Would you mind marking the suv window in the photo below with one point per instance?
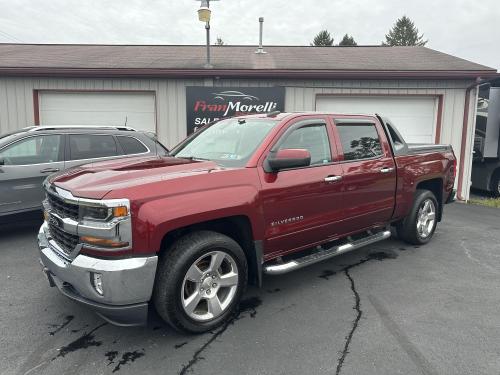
(88, 146)
(33, 150)
(313, 138)
(359, 141)
(130, 145)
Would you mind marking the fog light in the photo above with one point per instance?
(96, 279)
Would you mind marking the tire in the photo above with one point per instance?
(495, 184)
(410, 229)
(198, 301)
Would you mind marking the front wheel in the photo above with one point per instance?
(200, 281)
(419, 226)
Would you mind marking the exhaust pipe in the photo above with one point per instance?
(261, 31)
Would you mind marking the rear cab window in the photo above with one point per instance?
(359, 140)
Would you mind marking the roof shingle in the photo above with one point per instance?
(183, 57)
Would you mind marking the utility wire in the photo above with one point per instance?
(9, 36)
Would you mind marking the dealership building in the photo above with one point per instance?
(430, 96)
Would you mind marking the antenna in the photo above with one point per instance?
(126, 118)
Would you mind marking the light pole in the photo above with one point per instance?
(204, 14)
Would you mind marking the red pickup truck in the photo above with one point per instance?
(239, 198)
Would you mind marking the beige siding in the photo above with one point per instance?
(17, 111)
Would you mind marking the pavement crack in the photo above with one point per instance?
(59, 327)
(359, 313)
(380, 256)
(248, 305)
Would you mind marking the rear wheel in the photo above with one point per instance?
(419, 226)
(200, 281)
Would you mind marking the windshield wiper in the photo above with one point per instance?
(191, 158)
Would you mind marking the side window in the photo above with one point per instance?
(313, 138)
(88, 146)
(33, 150)
(130, 145)
(359, 141)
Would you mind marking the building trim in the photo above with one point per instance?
(246, 73)
(439, 118)
(36, 108)
(463, 145)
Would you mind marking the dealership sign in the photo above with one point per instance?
(207, 104)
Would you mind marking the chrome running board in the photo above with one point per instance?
(280, 268)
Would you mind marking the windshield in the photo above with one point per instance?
(229, 143)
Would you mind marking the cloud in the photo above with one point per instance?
(463, 28)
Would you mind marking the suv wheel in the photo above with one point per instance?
(419, 226)
(200, 281)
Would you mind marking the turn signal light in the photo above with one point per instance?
(103, 242)
(120, 211)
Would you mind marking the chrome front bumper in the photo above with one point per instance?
(127, 283)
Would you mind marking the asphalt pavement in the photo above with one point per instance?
(389, 308)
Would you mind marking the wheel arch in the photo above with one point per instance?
(434, 185)
(238, 227)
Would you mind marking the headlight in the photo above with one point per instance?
(102, 213)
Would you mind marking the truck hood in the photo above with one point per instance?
(98, 179)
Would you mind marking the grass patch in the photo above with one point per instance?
(490, 202)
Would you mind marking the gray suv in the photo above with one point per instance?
(28, 156)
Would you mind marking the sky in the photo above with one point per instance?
(464, 28)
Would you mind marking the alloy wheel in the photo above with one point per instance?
(209, 286)
(426, 218)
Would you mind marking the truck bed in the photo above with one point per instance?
(420, 148)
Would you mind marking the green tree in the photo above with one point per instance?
(219, 41)
(322, 39)
(348, 40)
(404, 33)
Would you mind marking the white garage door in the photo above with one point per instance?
(135, 109)
(414, 116)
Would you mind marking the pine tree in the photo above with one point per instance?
(404, 33)
(219, 41)
(322, 39)
(348, 40)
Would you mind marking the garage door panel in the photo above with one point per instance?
(140, 121)
(137, 109)
(414, 116)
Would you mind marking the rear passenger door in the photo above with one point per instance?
(369, 173)
(86, 148)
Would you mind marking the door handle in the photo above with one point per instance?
(386, 170)
(49, 170)
(333, 178)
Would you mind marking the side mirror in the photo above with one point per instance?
(287, 158)
(2, 161)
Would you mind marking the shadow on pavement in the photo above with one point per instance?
(20, 224)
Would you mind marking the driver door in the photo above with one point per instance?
(302, 206)
(26, 163)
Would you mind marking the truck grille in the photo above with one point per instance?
(63, 208)
(66, 241)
